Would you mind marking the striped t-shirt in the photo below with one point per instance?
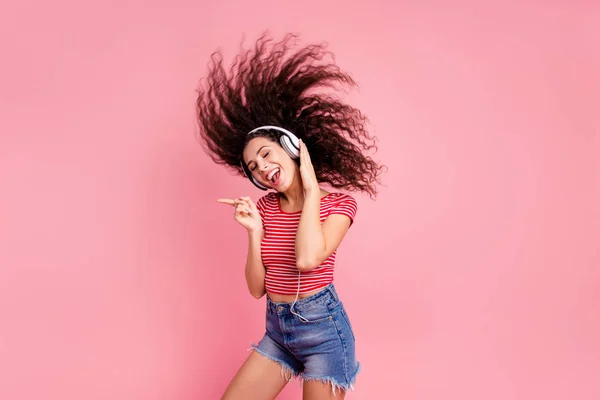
(278, 247)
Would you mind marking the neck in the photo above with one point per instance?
(295, 194)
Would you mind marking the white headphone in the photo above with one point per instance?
(287, 140)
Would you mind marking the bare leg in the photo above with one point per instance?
(259, 378)
(315, 390)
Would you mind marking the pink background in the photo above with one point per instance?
(475, 275)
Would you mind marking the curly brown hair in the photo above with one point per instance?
(274, 85)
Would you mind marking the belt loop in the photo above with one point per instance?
(333, 293)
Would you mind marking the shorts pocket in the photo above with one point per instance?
(315, 315)
(347, 319)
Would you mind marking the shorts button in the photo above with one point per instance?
(280, 308)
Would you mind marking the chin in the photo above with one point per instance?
(282, 188)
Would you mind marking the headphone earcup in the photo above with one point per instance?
(290, 144)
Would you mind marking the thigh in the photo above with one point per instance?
(327, 349)
(316, 390)
(259, 378)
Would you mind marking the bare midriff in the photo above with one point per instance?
(289, 298)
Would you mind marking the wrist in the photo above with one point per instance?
(312, 200)
(312, 194)
(255, 233)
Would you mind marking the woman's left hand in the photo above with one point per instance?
(307, 172)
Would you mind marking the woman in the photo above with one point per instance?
(261, 119)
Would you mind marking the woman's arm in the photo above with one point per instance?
(255, 270)
(315, 242)
(247, 214)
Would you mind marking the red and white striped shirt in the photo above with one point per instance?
(278, 247)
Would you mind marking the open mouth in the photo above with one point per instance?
(274, 176)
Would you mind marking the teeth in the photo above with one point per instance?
(270, 176)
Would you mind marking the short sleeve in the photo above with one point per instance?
(345, 205)
(260, 205)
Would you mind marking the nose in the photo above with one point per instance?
(263, 165)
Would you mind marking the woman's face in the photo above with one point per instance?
(269, 163)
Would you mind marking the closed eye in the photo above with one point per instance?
(252, 164)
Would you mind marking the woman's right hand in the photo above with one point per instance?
(245, 213)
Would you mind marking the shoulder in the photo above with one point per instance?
(267, 201)
(336, 198)
(341, 203)
(270, 197)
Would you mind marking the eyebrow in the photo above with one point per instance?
(252, 161)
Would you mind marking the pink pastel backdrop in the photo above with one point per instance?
(475, 275)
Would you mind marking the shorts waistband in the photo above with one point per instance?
(327, 295)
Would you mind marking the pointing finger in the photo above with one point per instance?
(226, 201)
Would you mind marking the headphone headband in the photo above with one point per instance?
(275, 128)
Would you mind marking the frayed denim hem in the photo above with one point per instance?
(287, 372)
(345, 387)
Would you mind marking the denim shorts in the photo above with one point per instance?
(321, 349)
